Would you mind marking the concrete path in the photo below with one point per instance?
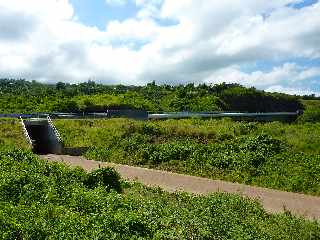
(274, 201)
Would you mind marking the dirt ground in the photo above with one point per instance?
(274, 201)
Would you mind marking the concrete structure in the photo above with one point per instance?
(42, 135)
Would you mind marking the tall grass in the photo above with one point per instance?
(275, 155)
(312, 111)
(11, 134)
(50, 201)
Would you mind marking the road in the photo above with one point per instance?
(273, 201)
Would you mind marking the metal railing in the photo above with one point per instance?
(55, 130)
(168, 115)
(152, 115)
(25, 131)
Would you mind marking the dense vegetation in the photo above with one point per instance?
(11, 134)
(50, 201)
(19, 96)
(275, 155)
(39, 200)
(312, 111)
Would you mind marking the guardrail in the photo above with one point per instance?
(55, 130)
(178, 115)
(160, 115)
(25, 131)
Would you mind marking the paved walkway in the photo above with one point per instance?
(274, 201)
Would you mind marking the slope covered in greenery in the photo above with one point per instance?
(274, 155)
(39, 200)
(11, 134)
(50, 201)
(19, 96)
(312, 111)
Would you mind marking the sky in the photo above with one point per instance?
(272, 45)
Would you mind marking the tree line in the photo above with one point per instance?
(21, 96)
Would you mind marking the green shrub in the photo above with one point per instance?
(220, 149)
(52, 201)
(11, 135)
(106, 177)
(263, 144)
(311, 113)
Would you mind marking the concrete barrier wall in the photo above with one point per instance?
(43, 136)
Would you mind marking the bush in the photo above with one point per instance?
(52, 201)
(106, 177)
(220, 149)
(311, 113)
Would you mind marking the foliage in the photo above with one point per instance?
(106, 177)
(39, 200)
(50, 201)
(238, 98)
(11, 134)
(263, 154)
(312, 111)
(20, 96)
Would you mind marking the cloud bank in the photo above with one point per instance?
(169, 41)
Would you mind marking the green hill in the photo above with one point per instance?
(39, 200)
(20, 96)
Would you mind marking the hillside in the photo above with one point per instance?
(41, 200)
(275, 155)
(20, 96)
(11, 134)
(50, 201)
(312, 111)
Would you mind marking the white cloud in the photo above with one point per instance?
(116, 2)
(287, 78)
(49, 9)
(292, 91)
(288, 73)
(150, 8)
(41, 39)
(133, 29)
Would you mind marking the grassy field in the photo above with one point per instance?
(50, 201)
(11, 134)
(274, 155)
(312, 111)
(39, 200)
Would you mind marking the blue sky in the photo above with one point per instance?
(272, 45)
(304, 3)
(98, 13)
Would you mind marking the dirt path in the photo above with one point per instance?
(274, 201)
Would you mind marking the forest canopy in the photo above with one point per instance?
(21, 96)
